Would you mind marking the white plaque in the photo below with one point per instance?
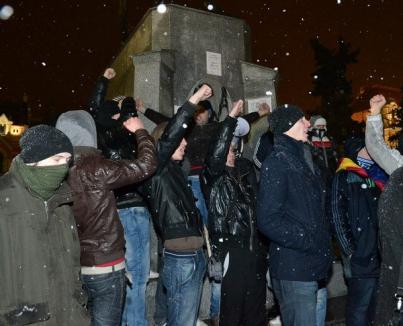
(213, 63)
(253, 103)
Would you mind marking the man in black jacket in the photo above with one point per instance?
(177, 219)
(357, 186)
(230, 187)
(291, 213)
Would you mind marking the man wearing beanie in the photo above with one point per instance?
(356, 189)
(291, 213)
(93, 179)
(39, 248)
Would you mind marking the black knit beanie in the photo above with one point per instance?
(106, 111)
(353, 145)
(283, 118)
(43, 141)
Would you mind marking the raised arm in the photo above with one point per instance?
(177, 127)
(98, 95)
(387, 158)
(119, 173)
(219, 147)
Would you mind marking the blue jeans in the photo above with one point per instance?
(215, 299)
(136, 225)
(361, 299)
(200, 202)
(321, 305)
(106, 294)
(182, 276)
(297, 301)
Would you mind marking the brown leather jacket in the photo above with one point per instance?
(93, 179)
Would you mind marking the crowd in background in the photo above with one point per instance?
(80, 200)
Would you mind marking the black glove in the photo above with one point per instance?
(128, 109)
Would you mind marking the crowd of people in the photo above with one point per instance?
(79, 201)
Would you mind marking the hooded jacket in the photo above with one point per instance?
(93, 179)
(291, 213)
(39, 253)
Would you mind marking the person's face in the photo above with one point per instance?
(202, 118)
(231, 157)
(180, 151)
(299, 131)
(58, 159)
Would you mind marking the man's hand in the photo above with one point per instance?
(202, 94)
(140, 105)
(133, 124)
(109, 73)
(237, 109)
(264, 109)
(376, 104)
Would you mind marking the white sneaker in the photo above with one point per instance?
(275, 322)
(200, 323)
(153, 275)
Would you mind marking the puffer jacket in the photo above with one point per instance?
(116, 143)
(93, 179)
(40, 257)
(168, 193)
(230, 194)
(291, 213)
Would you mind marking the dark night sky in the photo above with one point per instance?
(54, 50)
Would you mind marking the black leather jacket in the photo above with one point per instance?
(230, 194)
(116, 143)
(169, 195)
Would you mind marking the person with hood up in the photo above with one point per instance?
(356, 189)
(93, 179)
(291, 213)
(39, 247)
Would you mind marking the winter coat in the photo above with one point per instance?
(354, 204)
(387, 158)
(291, 213)
(390, 215)
(198, 137)
(263, 148)
(116, 143)
(93, 179)
(230, 194)
(169, 195)
(39, 253)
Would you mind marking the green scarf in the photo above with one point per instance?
(42, 180)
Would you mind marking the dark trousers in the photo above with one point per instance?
(361, 300)
(243, 289)
(106, 295)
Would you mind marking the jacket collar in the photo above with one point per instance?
(82, 151)
(292, 146)
(63, 195)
